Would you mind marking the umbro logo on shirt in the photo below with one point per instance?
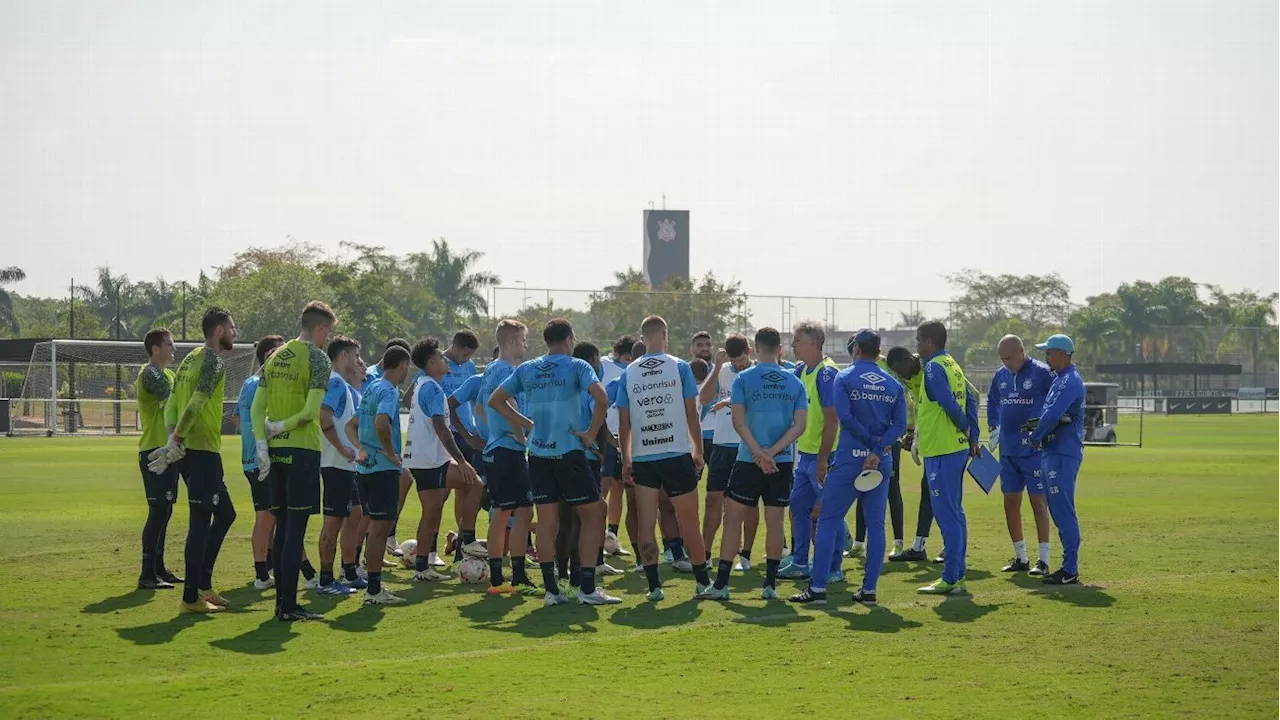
(546, 366)
(285, 354)
(873, 378)
(773, 376)
(651, 363)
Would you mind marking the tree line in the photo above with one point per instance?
(379, 295)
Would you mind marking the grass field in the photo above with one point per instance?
(1177, 616)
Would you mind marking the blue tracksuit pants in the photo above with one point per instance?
(838, 495)
(1059, 475)
(805, 494)
(945, 475)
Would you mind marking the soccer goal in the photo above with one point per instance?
(86, 387)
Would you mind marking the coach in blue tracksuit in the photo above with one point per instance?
(872, 408)
(1017, 394)
(1059, 434)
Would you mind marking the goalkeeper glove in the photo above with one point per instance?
(274, 427)
(915, 453)
(263, 456)
(162, 457)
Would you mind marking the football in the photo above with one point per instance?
(611, 545)
(408, 553)
(473, 571)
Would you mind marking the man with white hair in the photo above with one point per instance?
(1016, 395)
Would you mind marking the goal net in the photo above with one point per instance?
(86, 387)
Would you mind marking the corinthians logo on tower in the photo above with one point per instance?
(666, 230)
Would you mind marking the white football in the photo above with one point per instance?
(473, 571)
(408, 553)
(611, 546)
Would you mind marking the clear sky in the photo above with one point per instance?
(833, 149)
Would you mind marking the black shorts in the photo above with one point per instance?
(563, 479)
(295, 480)
(259, 492)
(707, 448)
(380, 494)
(597, 475)
(674, 476)
(160, 489)
(508, 479)
(612, 465)
(750, 485)
(470, 454)
(429, 478)
(202, 471)
(720, 467)
(340, 493)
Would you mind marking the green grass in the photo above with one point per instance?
(1178, 616)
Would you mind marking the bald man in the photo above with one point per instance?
(1017, 394)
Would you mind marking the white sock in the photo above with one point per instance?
(858, 545)
(897, 543)
(917, 544)
(1044, 553)
(1020, 550)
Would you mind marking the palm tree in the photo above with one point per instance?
(9, 275)
(112, 300)
(1095, 329)
(451, 279)
(910, 320)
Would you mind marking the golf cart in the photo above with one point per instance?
(1101, 412)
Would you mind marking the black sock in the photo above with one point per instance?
(467, 536)
(771, 572)
(666, 545)
(700, 574)
(260, 570)
(375, 583)
(651, 574)
(722, 573)
(575, 575)
(562, 567)
(495, 571)
(349, 572)
(308, 571)
(150, 538)
(518, 574)
(359, 549)
(326, 574)
(613, 528)
(745, 553)
(549, 577)
(421, 563)
(635, 550)
(677, 549)
(587, 585)
(599, 557)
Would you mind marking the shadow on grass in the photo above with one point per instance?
(161, 632)
(877, 619)
(266, 639)
(773, 614)
(540, 622)
(364, 620)
(649, 616)
(1090, 596)
(131, 599)
(962, 608)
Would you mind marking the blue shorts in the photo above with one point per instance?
(1021, 473)
(720, 466)
(612, 465)
(508, 474)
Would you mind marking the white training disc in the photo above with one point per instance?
(868, 480)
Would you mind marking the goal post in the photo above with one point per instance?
(86, 387)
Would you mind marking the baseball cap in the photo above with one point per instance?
(1057, 342)
(865, 336)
